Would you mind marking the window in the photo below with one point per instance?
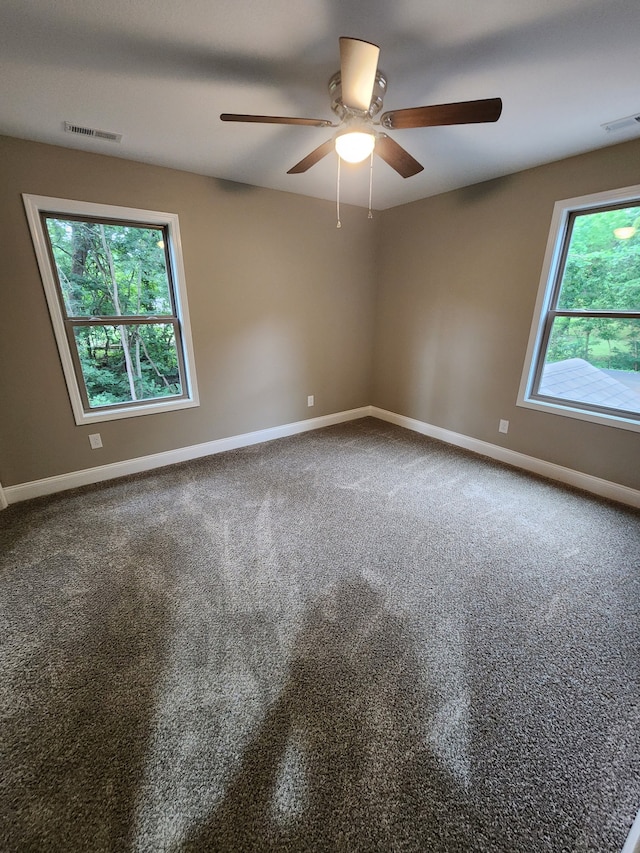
(114, 283)
(584, 350)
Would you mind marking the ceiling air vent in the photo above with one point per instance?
(69, 127)
(622, 123)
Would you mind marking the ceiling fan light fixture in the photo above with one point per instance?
(354, 146)
(357, 91)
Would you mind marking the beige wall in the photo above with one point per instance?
(281, 305)
(284, 305)
(458, 277)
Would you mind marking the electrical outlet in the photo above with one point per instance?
(310, 400)
(95, 441)
(504, 426)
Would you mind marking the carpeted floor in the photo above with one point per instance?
(357, 639)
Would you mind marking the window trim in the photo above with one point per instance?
(549, 283)
(36, 208)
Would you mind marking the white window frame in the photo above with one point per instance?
(35, 205)
(550, 269)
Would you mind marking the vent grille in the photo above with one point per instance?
(622, 123)
(69, 127)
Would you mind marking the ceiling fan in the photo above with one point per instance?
(357, 92)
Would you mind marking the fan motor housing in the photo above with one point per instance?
(377, 97)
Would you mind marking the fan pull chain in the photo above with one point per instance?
(370, 216)
(339, 224)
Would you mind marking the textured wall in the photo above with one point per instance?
(281, 304)
(458, 277)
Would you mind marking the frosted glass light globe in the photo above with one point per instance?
(355, 146)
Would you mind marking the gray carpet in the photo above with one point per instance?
(357, 639)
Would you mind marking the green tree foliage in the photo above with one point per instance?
(109, 271)
(601, 272)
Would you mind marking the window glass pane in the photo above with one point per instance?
(595, 361)
(128, 363)
(602, 268)
(110, 269)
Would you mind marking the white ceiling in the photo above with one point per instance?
(160, 72)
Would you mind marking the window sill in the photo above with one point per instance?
(569, 411)
(98, 416)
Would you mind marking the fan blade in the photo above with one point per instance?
(358, 66)
(311, 122)
(396, 156)
(464, 112)
(311, 159)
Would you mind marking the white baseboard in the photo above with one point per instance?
(49, 485)
(603, 488)
(632, 844)
(61, 482)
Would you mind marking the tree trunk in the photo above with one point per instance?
(116, 305)
(82, 241)
(155, 366)
(138, 362)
